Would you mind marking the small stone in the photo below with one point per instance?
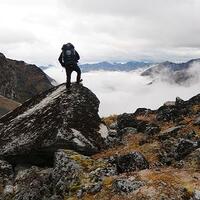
(113, 133)
(128, 130)
(126, 186)
(170, 132)
(9, 189)
(80, 193)
(113, 125)
(197, 121)
(95, 188)
(196, 195)
(55, 197)
(152, 129)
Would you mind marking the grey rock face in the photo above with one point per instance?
(126, 186)
(52, 120)
(34, 184)
(66, 172)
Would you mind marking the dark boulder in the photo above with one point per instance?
(52, 120)
(143, 111)
(170, 113)
(194, 100)
(184, 147)
(130, 162)
(126, 120)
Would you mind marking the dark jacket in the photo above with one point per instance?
(77, 57)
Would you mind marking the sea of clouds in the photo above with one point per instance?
(121, 92)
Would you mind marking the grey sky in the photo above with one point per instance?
(115, 30)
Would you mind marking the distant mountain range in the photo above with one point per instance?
(179, 73)
(107, 66)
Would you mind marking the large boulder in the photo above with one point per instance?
(130, 162)
(52, 120)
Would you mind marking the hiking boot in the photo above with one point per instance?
(68, 86)
(78, 82)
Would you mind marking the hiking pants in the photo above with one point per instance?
(69, 70)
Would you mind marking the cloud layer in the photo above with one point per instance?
(157, 30)
(121, 92)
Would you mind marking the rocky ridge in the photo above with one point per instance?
(49, 121)
(20, 81)
(56, 147)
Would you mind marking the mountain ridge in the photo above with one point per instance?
(20, 81)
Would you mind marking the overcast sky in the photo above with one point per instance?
(113, 30)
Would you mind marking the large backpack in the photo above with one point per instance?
(68, 54)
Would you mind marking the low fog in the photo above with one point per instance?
(121, 92)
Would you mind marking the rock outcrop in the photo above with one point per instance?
(20, 81)
(52, 120)
(55, 146)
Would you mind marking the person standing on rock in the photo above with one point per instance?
(69, 60)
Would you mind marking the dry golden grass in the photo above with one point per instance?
(187, 178)
(149, 150)
(148, 117)
(196, 108)
(110, 119)
(8, 103)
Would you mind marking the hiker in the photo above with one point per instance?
(68, 59)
